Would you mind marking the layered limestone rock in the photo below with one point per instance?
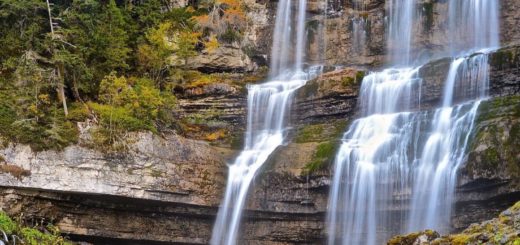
(223, 59)
(239, 56)
(331, 96)
(214, 112)
(334, 95)
(151, 167)
(336, 29)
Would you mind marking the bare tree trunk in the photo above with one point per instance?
(75, 90)
(59, 68)
(61, 91)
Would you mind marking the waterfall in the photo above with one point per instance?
(401, 14)
(359, 27)
(283, 37)
(268, 109)
(435, 174)
(473, 25)
(359, 33)
(396, 170)
(372, 163)
(268, 105)
(300, 35)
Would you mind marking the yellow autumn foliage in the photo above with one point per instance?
(212, 43)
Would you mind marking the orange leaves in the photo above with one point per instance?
(229, 4)
(235, 17)
(225, 16)
(203, 20)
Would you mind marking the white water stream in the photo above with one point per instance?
(268, 110)
(396, 170)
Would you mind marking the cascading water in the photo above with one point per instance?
(372, 160)
(396, 171)
(283, 37)
(473, 25)
(268, 107)
(359, 27)
(401, 14)
(435, 173)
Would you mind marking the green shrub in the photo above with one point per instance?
(32, 236)
(137, 96)
(7, 117)
(119, 117)
(7, 224)
(52, 132)
(230, 36)
(127, 105)
(78, 112)
(309, 133)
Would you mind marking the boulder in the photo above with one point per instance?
(222, 59)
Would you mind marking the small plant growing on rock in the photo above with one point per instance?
(14, 232)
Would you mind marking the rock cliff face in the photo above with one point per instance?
(165, 189)
(355, 34)
(334, 95)
(151, 167)
(345, 33)
(218, 109)
(223, 59)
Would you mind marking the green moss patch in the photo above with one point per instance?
(320, 132)
(412, 237)
(494, 148)
(504, 58)
(42, 235)
(323, 157)
(427, 10)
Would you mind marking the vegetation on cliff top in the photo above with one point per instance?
(114, 62)
(38, 235)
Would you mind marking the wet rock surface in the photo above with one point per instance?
(331, 96)
(334, 95)
(332, 40)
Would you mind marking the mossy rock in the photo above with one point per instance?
(501, 230)
(328, 136)
(505, 57)
(341, 81)
(323, 157)
(428, 13)
(411, 239)
(493, 151)
(310, 89)
(320, 132)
